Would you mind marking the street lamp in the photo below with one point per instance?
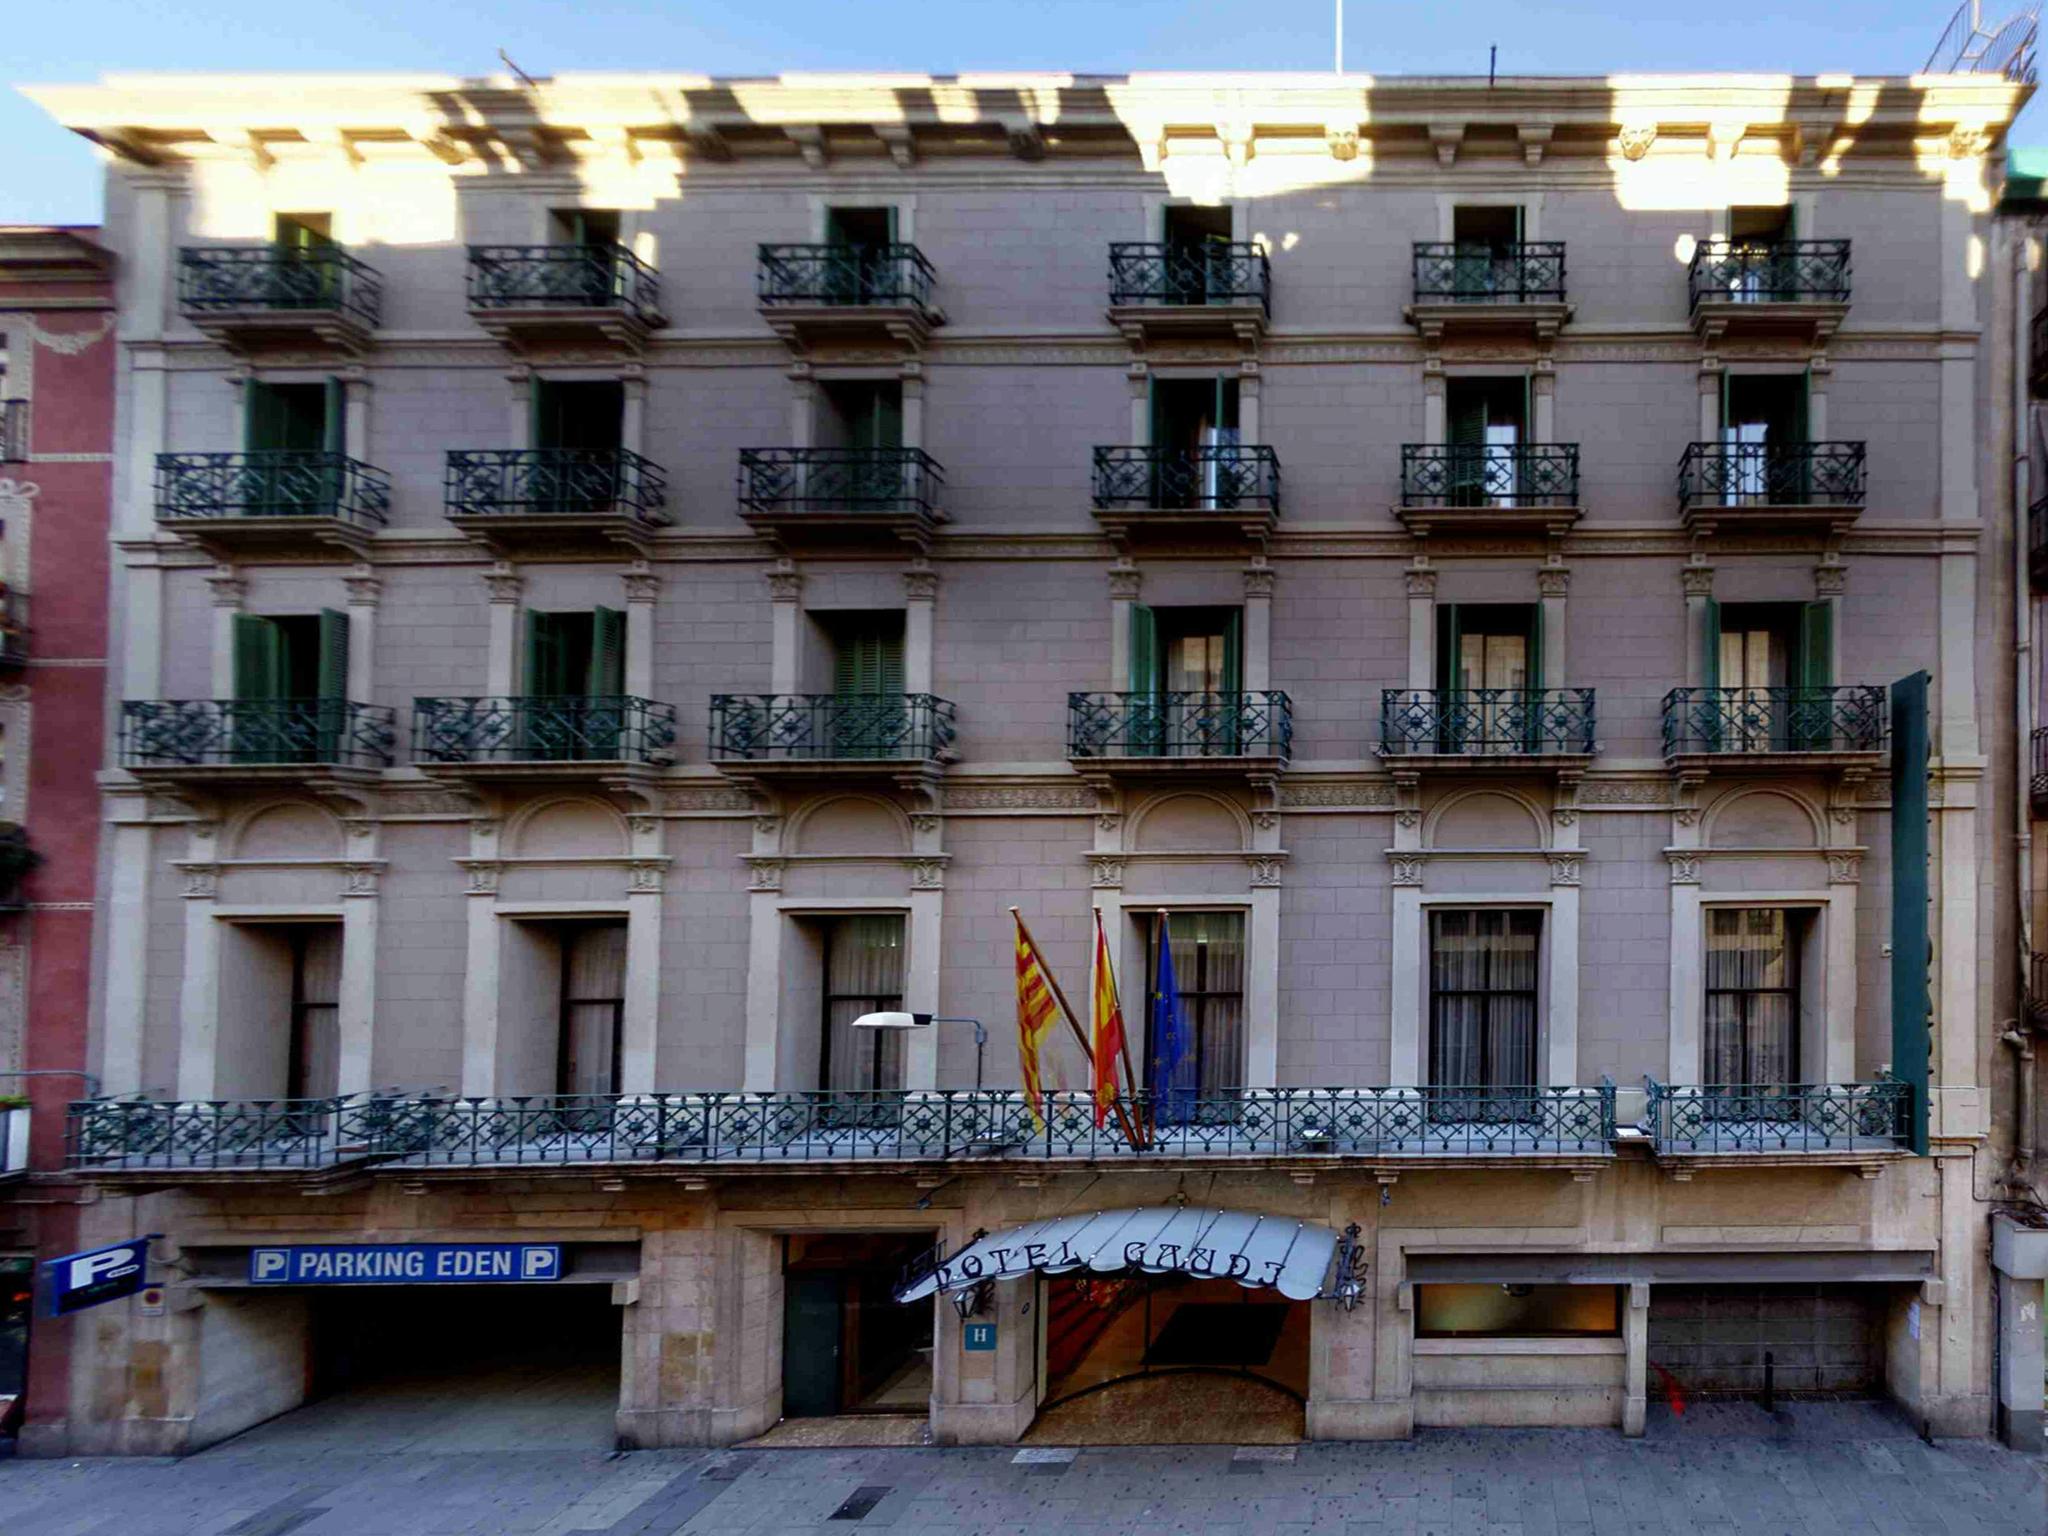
(925, 1021)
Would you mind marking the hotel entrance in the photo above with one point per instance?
(856, 1365)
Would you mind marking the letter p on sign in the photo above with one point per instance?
(99, 1266)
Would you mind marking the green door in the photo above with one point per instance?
(1145, 715)
(546, 713)
(331, 717)
(869, 717)
(811, 1313)
(307, 275)
(604, 686)
(1813, 668)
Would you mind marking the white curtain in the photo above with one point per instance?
(1482, 979)
(316, 1023)
(863, 974)
(1752, 1001)
(593, 1007)
(1208, 969)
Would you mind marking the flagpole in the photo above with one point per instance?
(1073, 1023)
(1130, 1078)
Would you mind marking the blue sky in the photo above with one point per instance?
(47, 176)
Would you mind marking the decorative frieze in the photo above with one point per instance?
(1019, 797)
(1353, 795)
(707, 798)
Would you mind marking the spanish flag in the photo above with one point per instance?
(1108, 1044)
(1038, 1010)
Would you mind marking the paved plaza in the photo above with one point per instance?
(1809, 1470)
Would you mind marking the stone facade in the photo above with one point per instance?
(1334, 853)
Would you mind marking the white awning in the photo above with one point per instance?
(1289, 1256)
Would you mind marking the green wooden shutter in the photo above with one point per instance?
(1233, 651)
(1450, 667)
(333, 674)
(259, 659)
(334, 422)
(607, 674)
(1710, 641)
(1145, 674)
(868, 660)
(542, 672)
(263, 425)
(541, 423)
(1533, 670)
(1466, 432)
(1816, 659)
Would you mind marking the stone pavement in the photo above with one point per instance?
(1810, 1470)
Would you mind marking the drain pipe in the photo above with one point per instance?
(2019, 1038)
(2020, 1041)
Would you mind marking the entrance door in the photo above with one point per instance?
(810, 1345)
(848, 1346)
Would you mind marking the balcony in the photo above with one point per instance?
(1789, 289)
(2037, 353)
(280, 298)
(825, 294)
(13, 431)
(2037, 545)
(1487, 728)
(1862, 1125)
(1465, 289)
(541, 737)
(255, 739)
(2037, 775)
(1777, 729)
(541, 498)
(1489, 488)
(1188, 291)
(1180, 734)
(827, 497)
(537, 296)
(2037, 988)
(1814, 488)
(830, 735)
(1566, 1128)
(270, 501)
(1228, 491)
(14, 630)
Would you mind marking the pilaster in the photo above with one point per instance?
(504, 586)
(785, 620)
(229, 591)
(643, 591)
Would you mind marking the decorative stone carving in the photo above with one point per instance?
(1106, 871)
(764, 874)
(1108, 821)
(1636, 139)
(360, 879)
(1564, 868)
(709, 798)
(503, 584)
(1966, 141)
(1554, 581)
(767, 826)
(1408, 816)
(1124, 583)
(229, 589)
(1020, 797)
(1622, 792)
(1266, 821)
(364, 590)
(1830, 579)
(1350, 796)
(643, 876)
(927, 874)
(1342, 140)
(924, 824)
(643, 826)
(1845, 868)
(1696, 580)
(1564, 816)
(1421, 583)
(920, 584)
(1265, 872)
(483, 875)
(1258, 581)
(202, 881)
(641, 583)
(1407, 868)
(1685, 868)
(785, 584)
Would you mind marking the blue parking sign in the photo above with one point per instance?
(80, 1280)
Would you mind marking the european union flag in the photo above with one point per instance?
(1172, 1078)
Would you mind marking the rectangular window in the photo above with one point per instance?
(1189, 662)
(584, 414)
(863, 974)
(863, 414)
(1478, 1311)
(313, 1064)
(1208, 969)
(1482, 997)
(868, 715)
(1776, 660)
(591, 1007)
(1752, 1002)
(584, 226)
(1487, 420)
(1760, 227)
(572, 683)
(292, 418)
(302, 231)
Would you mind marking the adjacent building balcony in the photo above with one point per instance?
(2037, 353)
(1190, 290)
(271, 500)
(1363, 1127)
(1487, 728)
(533, 736)
(1242, 732)
(834, 293)
(1489, 488)
(1786, 288)
(230, 739)
(518, 498)
(13, 431)
(1466, 288)
(833, 735)
(1776, 487)
(1777, 729)
(2037, 770)
(14, 630)
(1787, 1125)
(1221, 490)
(279, 297)
(814, 497)
(2037, 545)
(564, 295)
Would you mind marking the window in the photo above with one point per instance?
(584, 226)
(292, 418)
(1487, 420)
(1477, 1311)
(1194, 425)
(291, 687)
(1491, 228)
(1188, 662)
(1752, 1004)
(592, 1008)
(1489, 657)
(1763, 431)
(302, 231)
(1198, 264)
(589, 275)
(1775, 660)
(313, 1063)
(1486, 261)
(1482, 997)
(864, 414)
(1208, 971)
(863, 974)
(868, 715)
(305, 276)
(860, 268)
(585, 414)
(574, 684)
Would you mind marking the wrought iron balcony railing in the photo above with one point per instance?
(1489, 475)
(1223, 477)
(1255, 723)
(549, 1129)
(550, 278)
(1486, 722)
(2037, 778)
(1181, 273)
(831, 727)
(2037, 351)
(278, 280)
(208, 733)
(2037, 544)
(895, 276)
(1773, 272)
(1778, 1117)
(2037, 985)
(14, 627)
(13, 431)
(1761, 720)
(554, 482)
(1771, 474)
(270, 483)
(532, 728)
(1448, 271)
(824, 480)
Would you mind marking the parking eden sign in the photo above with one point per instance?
(405, 1263)
(81, 1280)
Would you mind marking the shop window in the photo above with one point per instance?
(1475, 1311)
(1483, 997)
(1752, 995)
(863, 974)
(1208, 973)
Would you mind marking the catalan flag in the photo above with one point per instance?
(1038, 1010)
(1108, 1027)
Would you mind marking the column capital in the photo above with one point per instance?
(229, 589)
(641, 583)
(1125, 582)
(785, 583)
(1258, 580)
(1420, 583)
(503, 583)
(1554, 581)
(1830, 578)
(365, 588)
(1697, 580)
(920, 583)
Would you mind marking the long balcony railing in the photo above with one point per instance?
(1486, 722)
(1250, 723)
(1768, 1118)
(1222, 477)
(826, 480)
(547, 1129)
(575, 728)
(554, 482)
(1180, 274)
(13, 431)
(894, 276)
(830, 727)
(1852, 718)
(551, 278)
(1773, 272)
(1489, 474)
(225, 733)
(1449, 271)
(193, 487)
(1772, 474)
(279, 280)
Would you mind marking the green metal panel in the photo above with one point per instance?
(1145, 676)
(811, 1310)
(868, 659)
(1912, 949)
(607, 672)
(259, 659)
(333, 654)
